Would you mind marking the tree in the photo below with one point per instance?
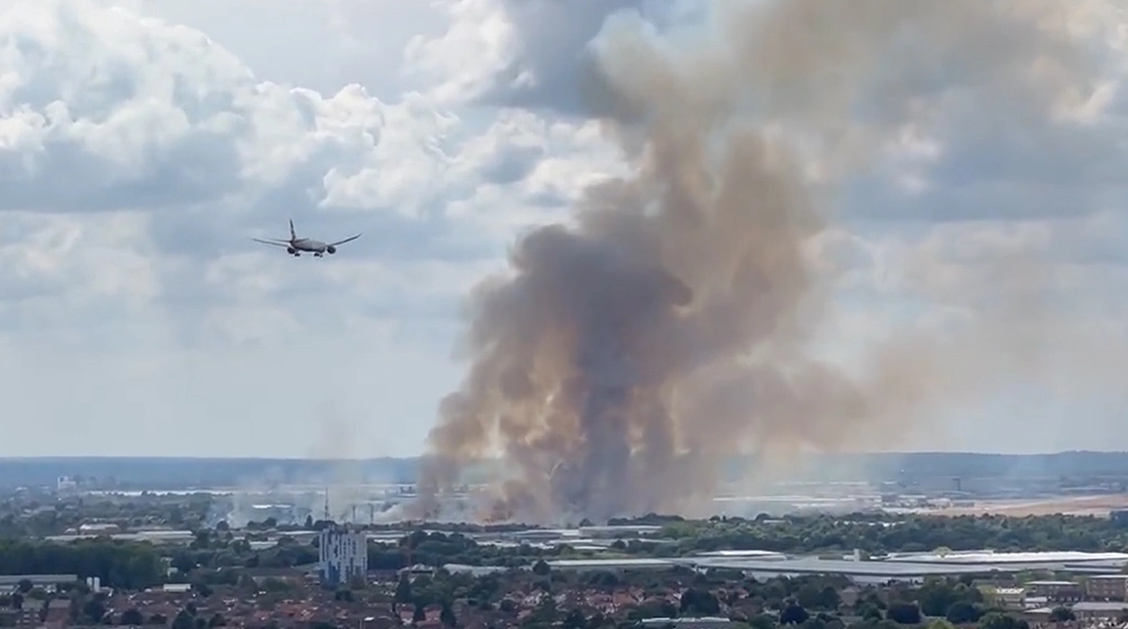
(24, 586)
(446, 615)
(94, 610)
(184, 620)
(545, 611)
(810, 596)
(541, 568)
(761, 621)
(574, 620)
(904, 613)
(869, 611)
(793, 614)
(696, 602)
(995, 620)
(217, 620)
(132, 616)
(962, 613)
(1062, 614)
(418, 615)
(403, 591)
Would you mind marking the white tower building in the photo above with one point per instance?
(343, 555)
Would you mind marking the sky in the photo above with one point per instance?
(143, 141)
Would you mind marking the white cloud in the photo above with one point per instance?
(141, 142)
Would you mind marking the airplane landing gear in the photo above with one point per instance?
(297, 255)
(317, 255)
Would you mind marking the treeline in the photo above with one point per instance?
(427, 548)
(128, 565)
(436, 549)
(878, 534)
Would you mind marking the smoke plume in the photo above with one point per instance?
(671, 321)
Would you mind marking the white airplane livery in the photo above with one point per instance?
(295, 246)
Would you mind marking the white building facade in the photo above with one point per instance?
(343, 556)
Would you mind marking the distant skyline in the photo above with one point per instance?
(142, 142)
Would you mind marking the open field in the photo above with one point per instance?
(1099, 505)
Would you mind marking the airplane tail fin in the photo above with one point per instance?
(293, 236)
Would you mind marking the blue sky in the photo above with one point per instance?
(142, 142)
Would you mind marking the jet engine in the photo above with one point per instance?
(331, 249)
(291, 250)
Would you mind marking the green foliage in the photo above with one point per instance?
(436, 549)
(126, 565)
(997, 620)
(446, 616)
(793, 614)
(695, 602)
(132, 616)
(937, 596)
(904, 613)
(403, 591)
(877, 534)
(963, 612)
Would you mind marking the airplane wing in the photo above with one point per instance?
(272, 242)
(341, 242)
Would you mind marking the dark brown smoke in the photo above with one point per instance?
(671, 322)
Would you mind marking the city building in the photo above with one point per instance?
(1107, 587)
(1055, 591)
(1008, 598)
(342, 555)
(1099, 610)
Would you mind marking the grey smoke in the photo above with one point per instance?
(671, 322)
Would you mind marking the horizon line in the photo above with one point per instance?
(423, 456)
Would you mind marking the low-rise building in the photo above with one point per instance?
(1107, 587)
(1100, 610)
(1009, 598)
(1056, 591)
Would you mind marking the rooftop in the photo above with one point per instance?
(595, 564)
(814, 565)
(1099, 606)
(992, 557)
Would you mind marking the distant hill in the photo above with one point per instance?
(171, 473)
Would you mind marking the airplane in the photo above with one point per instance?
(295, 246)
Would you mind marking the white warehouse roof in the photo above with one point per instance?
(991, 557)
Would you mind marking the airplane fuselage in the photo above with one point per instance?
(310, 245)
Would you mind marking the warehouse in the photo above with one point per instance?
(858, 571)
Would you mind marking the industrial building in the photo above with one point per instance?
(1056, 591)
(614, 565)
(1107, 587)
(857, 571)
(1065, 561)
(342, 556)
(904, 568)
(1098, 610)
(10, 583)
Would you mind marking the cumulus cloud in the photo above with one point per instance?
(141, 143)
